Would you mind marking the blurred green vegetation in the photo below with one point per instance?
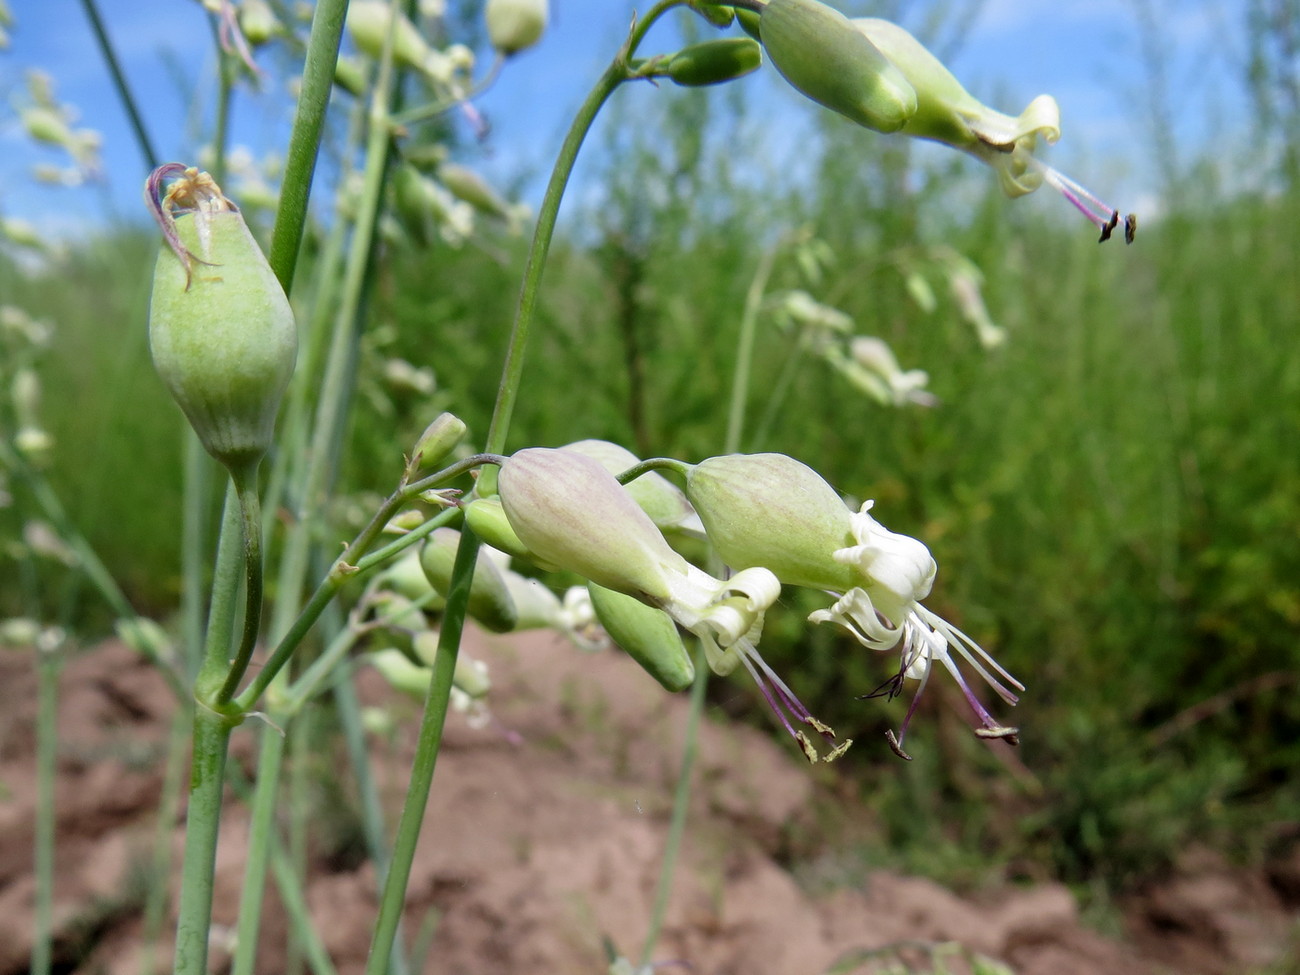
(1112, 495)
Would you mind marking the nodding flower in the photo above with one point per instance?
(947, 113)
(572, 514)
(771, 510)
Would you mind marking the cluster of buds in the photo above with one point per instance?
(22, 340)
(877, 74)
(51, 123)
(773, 521)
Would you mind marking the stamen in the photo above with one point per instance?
(1102, 214)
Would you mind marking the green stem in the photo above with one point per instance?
(745, 351)
(342, 571)
(49, 664)
(151, 158)
(195, 516)
(780, 390)
(261, 830)
(245, 482)
(87, 560)
(681, 805)
(372, 810)
(202, 823)
(304, 141)
(426, 756)
(512, 371)
(155, 905)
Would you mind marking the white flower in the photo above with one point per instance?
(886, 611)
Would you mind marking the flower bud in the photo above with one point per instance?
(470, 677)
(221, 331)
(819, 52)
(571, 513)
(438, 440)
(19, 631)
(489, 599)
(350, 76)
(655, 494)
(368, 23)
(257, 21)
(647, 635)
(487, 519)
(515, 24)
(405, 577)
(770, 510)
(467, 185)
(716, 61)
(716, 14)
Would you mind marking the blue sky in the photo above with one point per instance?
(1084, 52)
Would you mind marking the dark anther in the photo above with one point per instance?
(1130, 228)
(1109, 227)
(889, 690)
(895, 747)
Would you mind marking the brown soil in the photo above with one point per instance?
(534, 852)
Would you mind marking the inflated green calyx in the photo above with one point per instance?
(819, 52)
(221, 330)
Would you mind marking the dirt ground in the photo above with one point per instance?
(535, 850)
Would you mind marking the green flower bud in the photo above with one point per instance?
(749, 21)
(572, 513)
(398, 670)
(46, 125)
(20, 632)
(350, 76)
(488, 520)
(470, 676)
(718, 16)
(221, 331)
(648, 635)
(438, 440)
(467, 185)
(515, 24)
(654, 494)
(714, 62)
(368, 23)
(770, 510)
(489, 598)
(257, 21)
(819, 52)
(406, 578)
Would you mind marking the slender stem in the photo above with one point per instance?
(155, 905)
(295, 904)
(87, 560)
(343, 570)
(372, 811)
(512, 371)
(304, 141)
(780, 390)
(48, 665)
(681, 805)
(426, 756)
(745, 351)
(245, 482)
(202, 823)
(151, 158)
(261, 830)
(195, 516)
